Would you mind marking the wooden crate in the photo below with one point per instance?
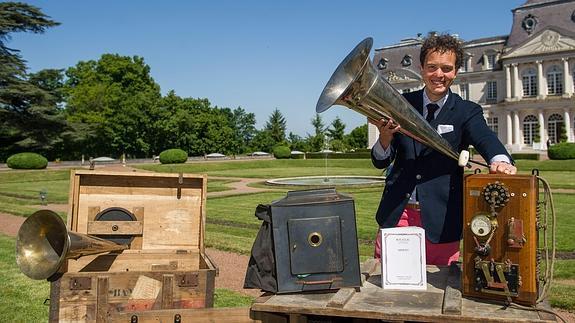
(165, 266)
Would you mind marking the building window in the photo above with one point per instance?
(529, 78)
(530, 129)
(464, 91)
(555, 80)
(529, 23)
(465, 64)
(555, 128)
(491, 91)
(490, 61)
(493, 124)
(406, 61)
(382, 64)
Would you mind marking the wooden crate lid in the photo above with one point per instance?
(171, 207)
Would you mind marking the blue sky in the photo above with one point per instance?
(258, 55)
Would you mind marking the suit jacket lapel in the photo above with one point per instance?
(446, 111)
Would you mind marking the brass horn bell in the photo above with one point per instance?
(357, 85)
(43, 244)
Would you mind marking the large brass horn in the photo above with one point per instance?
(43, 243)
(356, 84)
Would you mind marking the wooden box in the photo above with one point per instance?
(162, 219)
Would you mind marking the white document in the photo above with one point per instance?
(403, 258)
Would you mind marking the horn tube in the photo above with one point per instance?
(357, 85)
(43, 244)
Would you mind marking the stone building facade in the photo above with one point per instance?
(524, 81)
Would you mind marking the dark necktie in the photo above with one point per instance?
(431, 108)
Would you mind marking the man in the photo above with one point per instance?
(425, 187)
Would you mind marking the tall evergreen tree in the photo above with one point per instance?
(29, 117)
(317, 140)
(337, 129)
(276, 126)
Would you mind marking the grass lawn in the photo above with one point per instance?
(232, 226)
(273, 168)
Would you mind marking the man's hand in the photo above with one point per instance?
(386, 130)
(502, 168)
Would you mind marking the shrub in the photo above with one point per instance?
(173, 156)
(282, 152)
(27, 161)
(563, 150)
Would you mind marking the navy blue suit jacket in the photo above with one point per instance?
(438, 178)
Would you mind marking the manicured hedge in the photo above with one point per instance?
(282, 152)
(27, 161)
(173, 156)
(350, 155)
(563, 150)
(530, 156)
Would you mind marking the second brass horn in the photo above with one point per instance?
(356, 84)
(43, 243)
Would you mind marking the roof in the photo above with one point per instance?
(534, 16)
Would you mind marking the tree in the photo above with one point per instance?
(14, 87)
(29, 118)
(357, 138)
(263, 141)
(117, 98)
(317, 140)
(296, 142)
(337, 129)
(196, 127)
(276, 127)
(244, 127)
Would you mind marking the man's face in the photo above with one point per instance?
(438, 73)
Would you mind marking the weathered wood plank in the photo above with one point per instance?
(340, 298)
(115, 227)
(102, 300)
(237, 315)
(168, 291)
(451, 301)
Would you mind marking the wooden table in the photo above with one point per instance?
(441, 302)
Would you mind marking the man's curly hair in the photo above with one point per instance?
(442, 44)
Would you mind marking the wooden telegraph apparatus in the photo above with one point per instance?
(501, 236)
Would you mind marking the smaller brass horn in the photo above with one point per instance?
(43, 243)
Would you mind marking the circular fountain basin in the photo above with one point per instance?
(328, 181)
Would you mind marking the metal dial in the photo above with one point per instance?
(496, 194)
(481, 225)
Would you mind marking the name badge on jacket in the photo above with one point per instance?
(444, 128)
